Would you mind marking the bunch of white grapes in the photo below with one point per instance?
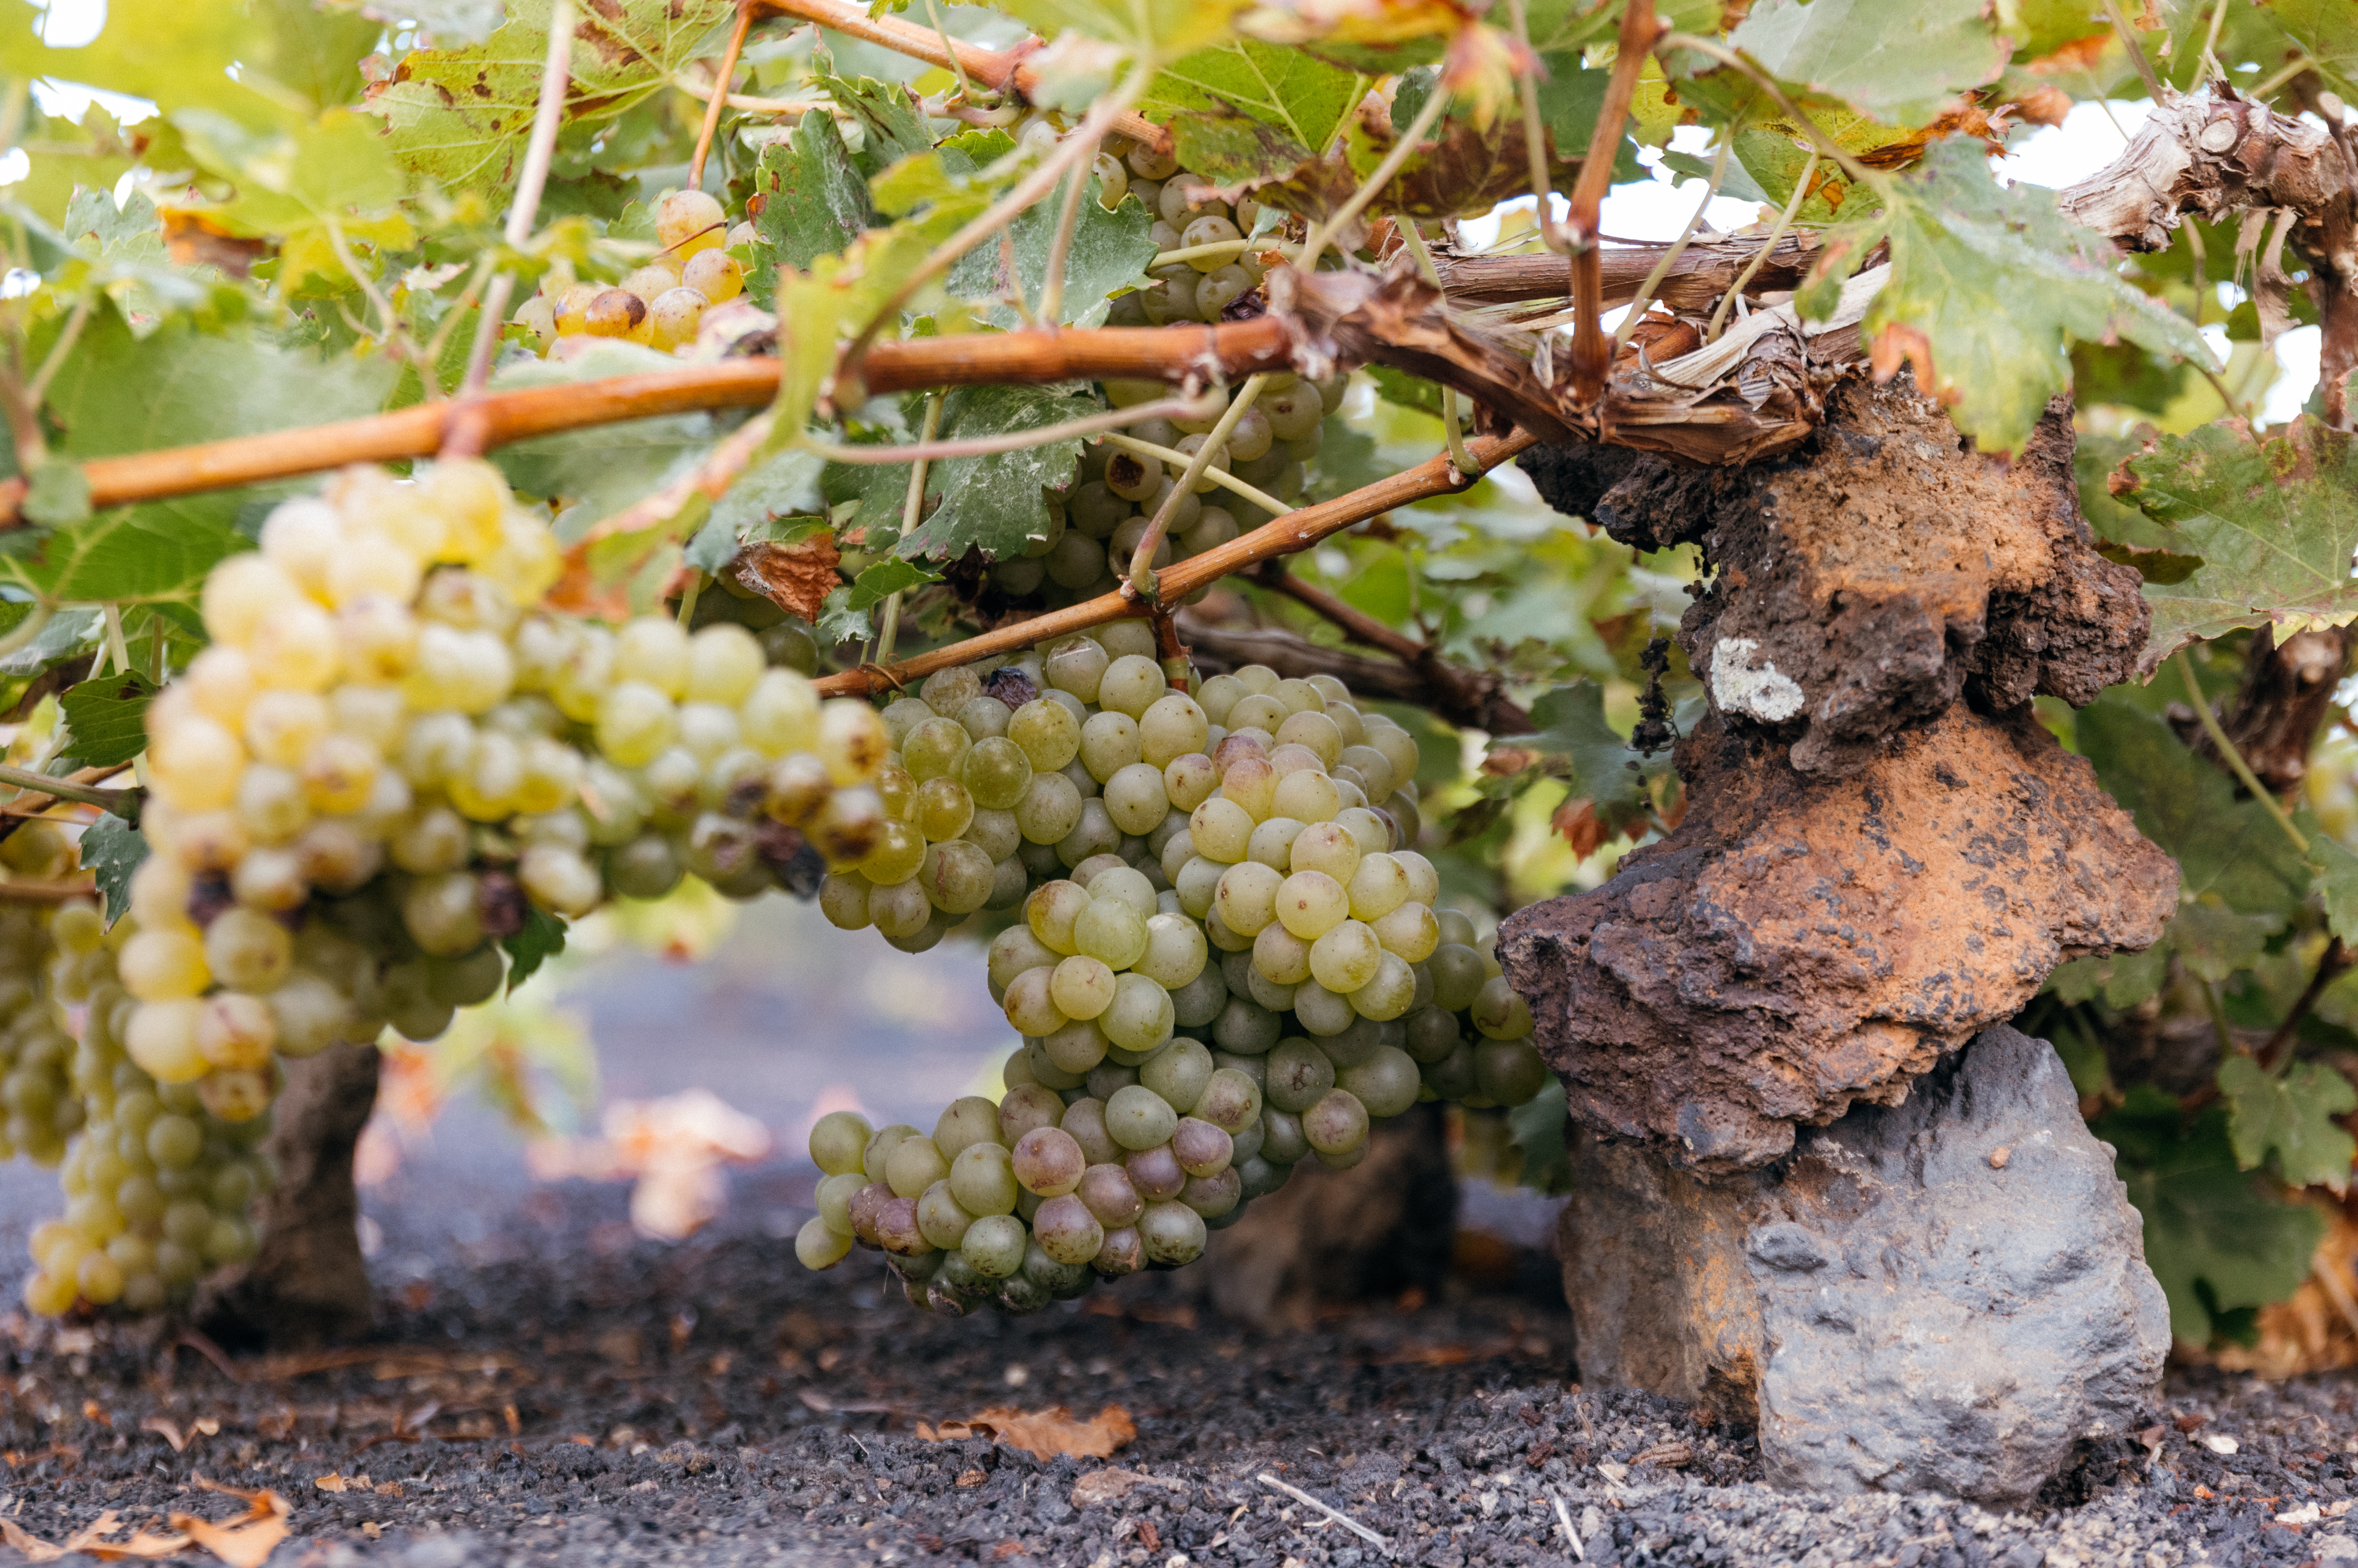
(36, 1092)
(1159, 1089)
(389, 756)
(157, 1187)
(662, 303)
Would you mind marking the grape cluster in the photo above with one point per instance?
(38, 1107)
(663, 303)
(1160, 1088)
(389, 757)
(157, 1187)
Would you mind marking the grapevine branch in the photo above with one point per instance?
(720, 79)
(1468, 698)
(1138, 353)
(1004, 71)
(1286, 535)
(540, 151)
(1591, 359)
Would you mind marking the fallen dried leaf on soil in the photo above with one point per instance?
(1042, 1433)
(245, 1541)
(1113, 1485)
(90, 1541)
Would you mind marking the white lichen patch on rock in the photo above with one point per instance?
(1767, 694)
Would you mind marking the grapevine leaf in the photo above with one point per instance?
(1301, 96)
(178, 386)
(2122, 979)
(460, 117)
(2275, 523)
(315, 49)
(2327, 31)
(891, 124)
(1902, 64)
(816, 201)
(1600, 766)
(177, 56)
(59, 494)
(998, 504)
(2213, 1238)
(844, 617)
(1987, 288)
(1537, 1126)
(2225, 847)
(1573, 25)
(2292, 1118)
(1408, 391)
(1162, 29)
(784, 484)
(540, 938)
(456, 22)
(108, 718)
(112, 849)
(601, 470)
(2214, 942)
(2336, 871)
(1109, 254)
(135, 556)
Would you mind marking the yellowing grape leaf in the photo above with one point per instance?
(2290, 1116)
(2275, 523)
(1155, 29)
(460, 117)
(1989, 287)
(1897, 61)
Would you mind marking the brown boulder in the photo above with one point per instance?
(1805, 941)
(1864, 582)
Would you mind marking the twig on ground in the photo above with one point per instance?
(1337, 1515)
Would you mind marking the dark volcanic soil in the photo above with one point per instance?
(559, 1392)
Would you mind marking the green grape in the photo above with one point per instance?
(994, 1246)
(1054, 911)
(1346, 957)
(1046, 733)
(1111, 929)
(1075, 666)
(1322, 1013)
(982, 1180)
(1310, 903)
(1171, 1232)
(1247, 897)
(1258, 713)
(1013, 951)
(900, 850)
(1250, 782)
(1299, 1074)
(940, 1219)
(1067, 1231)
(1390, 993)
(1135, 799)
(1048, 1161)
(958, 876)
(1410, 932)
(997, 772)
(1509, 1071)
(1328, 849)
(1080, 987)
(1095, 835)
(913, 1164)
(1141, 1016)
(1498, 1012)
(935, 748)
(1176, 951)
(1271, 843)
(1138, 1118)
(1221, 829)
(1108, 744)
(1279, 959)
(819, 1247)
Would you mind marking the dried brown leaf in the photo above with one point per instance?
(247, 1540)
(798, 577)
(1042, 1433)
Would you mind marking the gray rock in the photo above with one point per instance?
(1948, 1295)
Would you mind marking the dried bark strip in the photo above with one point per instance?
(2215, 154)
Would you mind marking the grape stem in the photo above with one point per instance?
(540, 151)
(1590, 361)
(1218, 476)
(927, 449)
(1645, 300)
(1052, 287)
(721, 78)
(1078, 146)
(123, 803)
(1784, 222)
(1004, 71)
(1288, 535)
(1141, 560)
